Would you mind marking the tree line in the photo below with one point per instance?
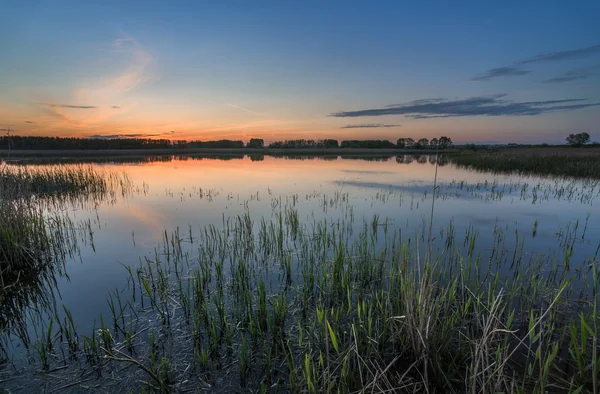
(38, 143)
(402, 143)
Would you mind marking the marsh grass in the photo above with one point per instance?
(293, 304)
(278, 306)
(61, 182)
(577, 163)
(36, 238)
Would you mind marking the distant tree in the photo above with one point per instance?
(445, 142)
(422, 143)
(433, 144)
(256, 143)
(367, 144)
(330, 144)
(578, 139)
(401, 143)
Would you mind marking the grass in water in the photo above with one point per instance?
(565, 162)
(274, 306)
(36, 239)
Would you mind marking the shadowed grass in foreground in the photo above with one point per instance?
(276, 306)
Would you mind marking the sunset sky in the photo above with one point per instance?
(513, 71)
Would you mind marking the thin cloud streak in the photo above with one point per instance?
(493, 105)
(563, 55)
(514, 70)
(501, 72)
(574, 75)
(115, 136)
(70, 106)
(368, 126)
(243, 109)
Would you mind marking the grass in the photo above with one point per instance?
(28, 236)
(308, 305)
(35, 239)
(565, 162)
(25, 182)
(224, 310)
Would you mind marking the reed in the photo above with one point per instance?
(356, 317)
(578, 163)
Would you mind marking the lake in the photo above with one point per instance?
(386, 197)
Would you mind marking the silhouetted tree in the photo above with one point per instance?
(578, 139)
(367, 144)
(422, 143)
(445, 142)
(328, 144)
(256, 143)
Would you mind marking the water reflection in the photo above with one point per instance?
(40, 233)
(191, 192)
(400, 159)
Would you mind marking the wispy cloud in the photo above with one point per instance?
(368, 126)
(133, 68)
(574, 75)
(501, 72)
(243, 109)
(115, 136)
(563, 55)
(71, 106)
(493, 105)
(515, 70)
(30, 122)
(131, 135)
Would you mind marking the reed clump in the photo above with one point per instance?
(36, 237)
(567, 162)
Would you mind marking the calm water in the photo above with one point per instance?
(191, 193)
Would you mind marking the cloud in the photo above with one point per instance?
(563, 55)
(70, 106)
(574, 75)
(501, 72)
(514, 70)
(243, 109)
(130, 135)
(115, 107)
(115, 136)
(493, 105)
(368, 126)
(30, 122)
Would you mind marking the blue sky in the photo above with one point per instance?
(481, 71)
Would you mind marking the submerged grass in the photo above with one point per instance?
(278, 306)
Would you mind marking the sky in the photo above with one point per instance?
(512, 71)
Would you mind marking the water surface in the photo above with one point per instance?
(190, 193)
